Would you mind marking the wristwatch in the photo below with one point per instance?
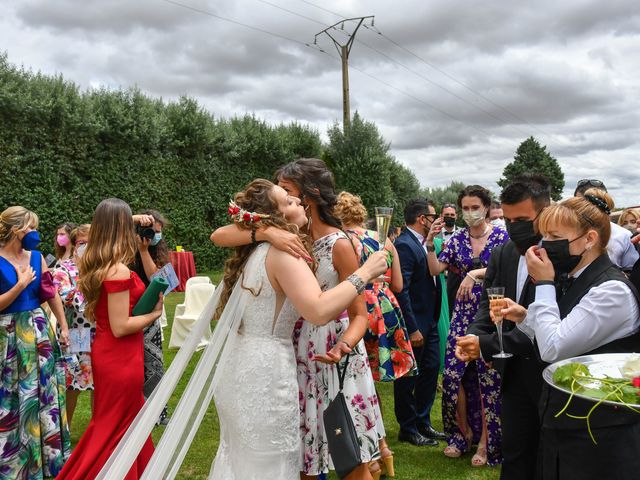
(431, 248)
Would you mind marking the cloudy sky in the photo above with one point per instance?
(454, 85)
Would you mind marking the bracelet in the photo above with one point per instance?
(253, 235)
(477, 281)
(431, 248)
(357, 282)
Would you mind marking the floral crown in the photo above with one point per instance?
(241, 215)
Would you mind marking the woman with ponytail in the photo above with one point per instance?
(584, 305)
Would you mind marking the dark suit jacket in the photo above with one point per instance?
(502, 271)
(421, 293)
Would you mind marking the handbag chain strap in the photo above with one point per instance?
(342, 372)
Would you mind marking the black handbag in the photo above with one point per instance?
(342, 437)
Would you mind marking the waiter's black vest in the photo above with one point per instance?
(599, 271)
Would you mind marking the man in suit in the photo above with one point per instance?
(522, 202)
(420, 304)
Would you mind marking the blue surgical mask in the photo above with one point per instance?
(156, 239)
(31, 240)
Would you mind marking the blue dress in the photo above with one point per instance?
(34, 437)
(481, 383)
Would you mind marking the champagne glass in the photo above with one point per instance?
(496, 304)
(383, 222)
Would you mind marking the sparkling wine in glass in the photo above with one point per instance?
(383, 222)
(497, 303)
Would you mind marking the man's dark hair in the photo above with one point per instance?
(529, 185)
(475, 191)
(586, 184)
(416, 208)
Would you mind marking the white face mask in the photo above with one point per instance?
(499, 222)
(474, 218)
(80, 250)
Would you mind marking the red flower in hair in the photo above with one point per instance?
(246, 217)
(256, 217)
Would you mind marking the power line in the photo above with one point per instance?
(317, 47)
(435, 67)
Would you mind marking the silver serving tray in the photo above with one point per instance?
(609, 364)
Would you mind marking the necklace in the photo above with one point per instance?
(483, 234)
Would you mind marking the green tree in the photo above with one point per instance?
(362, 165)
(531, 157)
(442, 195)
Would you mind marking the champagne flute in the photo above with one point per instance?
(496, 304)
(383, 222)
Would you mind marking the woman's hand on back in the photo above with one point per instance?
(287, 242)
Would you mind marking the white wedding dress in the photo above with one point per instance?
(257, 395)
(249, 367)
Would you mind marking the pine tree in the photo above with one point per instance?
(531, 157)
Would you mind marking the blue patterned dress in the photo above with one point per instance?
(34, 438)
(481, 383)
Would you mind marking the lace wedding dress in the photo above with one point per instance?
(257, 397)
(249, 368)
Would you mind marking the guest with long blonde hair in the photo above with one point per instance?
(111, 291)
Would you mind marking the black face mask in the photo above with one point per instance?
(449, 222)
(523, 234)
(561, 258)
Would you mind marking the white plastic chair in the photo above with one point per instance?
(196, 297)
(191, 281)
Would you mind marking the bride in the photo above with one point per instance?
(249, 366)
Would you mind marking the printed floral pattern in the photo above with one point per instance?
(387, 340)
(318, 382)
(34, 438)
(65, 278)
(481, 383)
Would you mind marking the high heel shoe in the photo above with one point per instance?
(386, 460)
(375, 470)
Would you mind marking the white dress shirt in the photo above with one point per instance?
(620, 249)
(421, 239)
(609, 311)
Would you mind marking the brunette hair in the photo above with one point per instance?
(315, 182)
(111, 241)
(350, 209)
(18, 217)
(476, 191)
(256, 197)
(160, 254)
(79, 230)
(59, 249)
(590, 212)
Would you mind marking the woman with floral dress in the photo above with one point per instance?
(81, 329)
(34, 438)
(470, 391)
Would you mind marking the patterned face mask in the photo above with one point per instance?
(474, 218)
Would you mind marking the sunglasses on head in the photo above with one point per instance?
(592, 182)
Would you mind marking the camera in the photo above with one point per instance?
(145, 232)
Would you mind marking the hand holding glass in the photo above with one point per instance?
(383, 222)
(497, 303)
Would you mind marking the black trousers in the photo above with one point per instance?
(571, 455)
(414, 396)
(520, 418)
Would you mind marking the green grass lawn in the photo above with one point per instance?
(412, 463)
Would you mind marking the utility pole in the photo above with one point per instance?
(343, 51)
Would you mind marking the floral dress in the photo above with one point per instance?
(481, 383)
(65, 278)
(34, 436)
(318, 382)
(387, 340)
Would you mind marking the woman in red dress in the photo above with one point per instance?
(111, 291)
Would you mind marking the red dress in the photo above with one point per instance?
(118, 376)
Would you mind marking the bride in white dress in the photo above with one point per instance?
(255, 387)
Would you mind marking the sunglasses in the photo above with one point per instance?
(592, 182)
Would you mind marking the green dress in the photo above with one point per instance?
(443, 321)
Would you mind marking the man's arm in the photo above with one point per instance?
(407, 265)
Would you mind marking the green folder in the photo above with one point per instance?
(149, 298)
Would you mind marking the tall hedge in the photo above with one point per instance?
(63, 150)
